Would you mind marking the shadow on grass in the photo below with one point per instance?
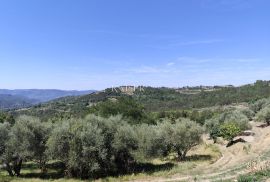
(263, 125)
(149, 168)
(239, 140)
(198, 158)
(55, 171)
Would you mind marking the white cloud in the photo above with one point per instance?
(173, 44)
(171, 64)
(197, 42)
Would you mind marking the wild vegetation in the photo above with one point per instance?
(21, 98)
(93, 146)
(152, 99)
(114, 134)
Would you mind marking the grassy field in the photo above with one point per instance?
(258, 176)
(202, 155)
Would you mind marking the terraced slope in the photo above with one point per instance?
(238, 159)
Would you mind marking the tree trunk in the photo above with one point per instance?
(17, 166)
(42, 166)
(9, 169)
(181, 155)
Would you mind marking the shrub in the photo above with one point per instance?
(179, 137)
(94, 146)
(28, 139)
(260, 104)
(127, 107)
(264, 115)
(4, 137)
(5, 117)
(229, 130)
(222, 125)
(248, 113)
(236, 117)
(147, 142)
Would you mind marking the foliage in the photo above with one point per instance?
(213, 127)
(124, 106)
(6, 117)
(4, 136)
(229, 130)
(264, 115)
(248, 113)
(12, 101)
(148, 143)
(260, 104)
(255, 177)
(152, 99)
(227, 124)
(28, 139)
(179, 137)
(93, 146)
(236, 117)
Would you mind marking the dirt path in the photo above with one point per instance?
(234, 160)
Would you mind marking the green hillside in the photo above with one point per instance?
(12, 101)
(152, 99)
(21, 98)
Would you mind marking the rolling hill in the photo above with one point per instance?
(153, 99)
(12, 99)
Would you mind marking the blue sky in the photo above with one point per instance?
(95, 44)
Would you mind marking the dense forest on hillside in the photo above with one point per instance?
(11, 101)
(151, 99)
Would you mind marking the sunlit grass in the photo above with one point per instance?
(162, 167)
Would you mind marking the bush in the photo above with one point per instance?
(260, 104)
(5, 117)
(264, 115)
(248, 113)
(4, 137)
(179, 137)
(28, 139)
(236, 117)
(127, 107)
(226, 124)
(124, 145)
(147, 143)
(94, 146)
(229, 130)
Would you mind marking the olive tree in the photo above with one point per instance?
(148, 144)
(226, 122)
(248, 112)
(237, 117)
(260, 104)
(125, 143)
(212, 126)
(4, 137)
(264, 115)
(229, 130)
(28, 139)
(79, 145)
(93, 146)
(181, 136)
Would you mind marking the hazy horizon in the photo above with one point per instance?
(130, 85)
(98, 44)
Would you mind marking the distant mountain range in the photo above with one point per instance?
(11, 99)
